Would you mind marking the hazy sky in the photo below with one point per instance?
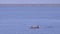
(29, 1)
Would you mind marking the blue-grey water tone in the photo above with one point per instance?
(17, 20)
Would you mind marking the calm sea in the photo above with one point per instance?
(17, 20)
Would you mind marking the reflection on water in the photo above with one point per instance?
(16, 20)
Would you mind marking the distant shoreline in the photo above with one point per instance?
(29, 4)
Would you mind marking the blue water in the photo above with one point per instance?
(17, 20)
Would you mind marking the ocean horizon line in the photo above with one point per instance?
(29, 4)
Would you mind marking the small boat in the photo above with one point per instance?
(34, 27)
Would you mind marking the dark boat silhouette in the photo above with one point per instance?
(35, 27)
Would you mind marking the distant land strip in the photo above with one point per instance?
(29, 4)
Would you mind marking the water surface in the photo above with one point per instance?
(17, 20)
